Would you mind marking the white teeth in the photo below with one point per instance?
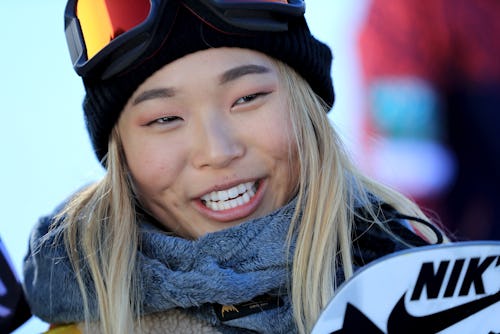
(233, 192)
(223, 195)
(230, 198)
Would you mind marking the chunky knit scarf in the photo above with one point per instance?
(235, 278)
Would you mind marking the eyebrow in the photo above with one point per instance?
(240, 71)
(153, 94)
(230, 75)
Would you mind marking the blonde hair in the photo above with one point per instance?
(101, 229)
(330, 189)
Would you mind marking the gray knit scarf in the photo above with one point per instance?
(246, 266)
(237, 265)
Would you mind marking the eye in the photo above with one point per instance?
(165, 120)
(249, 98)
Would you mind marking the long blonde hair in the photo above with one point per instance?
(330, 189)
(101, 228)
(100, 231)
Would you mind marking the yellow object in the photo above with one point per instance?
(64, 329)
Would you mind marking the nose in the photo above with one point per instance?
(217, 143)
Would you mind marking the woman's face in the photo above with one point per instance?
(208, 141)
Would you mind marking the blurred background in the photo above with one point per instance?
(431, 123)
(390, 110)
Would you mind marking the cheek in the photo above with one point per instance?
(285, 151)
(152, 167)
(276, 138)
(277, 134)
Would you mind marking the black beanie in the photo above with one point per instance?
(105, 99)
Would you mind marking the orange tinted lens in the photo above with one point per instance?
(103, 20)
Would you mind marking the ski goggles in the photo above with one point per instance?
(106, 36)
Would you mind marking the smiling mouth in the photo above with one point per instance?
(230, 198)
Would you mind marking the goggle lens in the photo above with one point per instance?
(102, 21)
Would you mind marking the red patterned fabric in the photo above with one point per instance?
(439, 40)
(452, 49)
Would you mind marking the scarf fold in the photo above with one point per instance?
(227, 267)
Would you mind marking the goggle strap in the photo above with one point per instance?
(123, 62)
(73, 37)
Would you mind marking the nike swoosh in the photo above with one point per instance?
(400, 321)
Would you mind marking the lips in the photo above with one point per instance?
(230, 198)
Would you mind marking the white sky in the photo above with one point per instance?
(44, 144)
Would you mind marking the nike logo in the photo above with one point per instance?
(400, 321)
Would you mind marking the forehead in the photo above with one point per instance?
(213, 62)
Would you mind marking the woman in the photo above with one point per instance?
(228, 203)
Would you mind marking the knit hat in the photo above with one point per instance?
(192, 32)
